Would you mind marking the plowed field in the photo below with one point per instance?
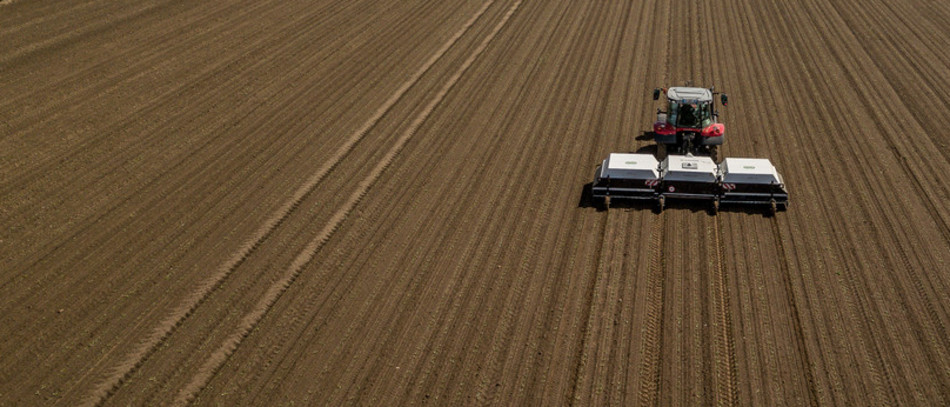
(381, 202)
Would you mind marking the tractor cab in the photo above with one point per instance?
(690, 123)
(689, 107)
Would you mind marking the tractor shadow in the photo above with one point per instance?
(647, 149)
(645, 136)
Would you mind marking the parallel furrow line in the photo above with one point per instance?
(71, 36)
(581, 355)
(186, 308)
(125, 79)
(652, 340)
(54, 11)
(798, 331)
(251, 320)
(726, 371)
(143, 62)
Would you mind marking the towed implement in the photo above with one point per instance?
(689, 164)
(743, 181)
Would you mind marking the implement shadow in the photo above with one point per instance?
(587, 200)
(760, 210)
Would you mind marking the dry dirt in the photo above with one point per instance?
(381, 203)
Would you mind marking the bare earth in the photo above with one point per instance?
(381, 202)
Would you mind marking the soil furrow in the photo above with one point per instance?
(104, 184)
(411, 256)
(357, 202)
(184, 309)
(799, 333)
(217, 358)
(727, 387)
(649, 370)
(89, 30)
(203, 178)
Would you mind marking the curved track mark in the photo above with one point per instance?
(251, 320)
(187, 307)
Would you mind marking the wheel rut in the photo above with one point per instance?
(727, 387)
(649, 369)
(376, 202)
(218, 357)
(187, 307)
(799, 332)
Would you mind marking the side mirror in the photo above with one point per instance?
(724, 99)
(656, 93)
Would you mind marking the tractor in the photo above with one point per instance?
(690, 123)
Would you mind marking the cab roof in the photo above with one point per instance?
(685, 93)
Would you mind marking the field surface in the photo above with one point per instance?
(381, 202)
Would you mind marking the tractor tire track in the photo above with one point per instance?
(727, 387)
(217, 358)
(649, 369)
(187, 307)
(68, 37)
(798, 331)
(871, 313)
(354, 329)
(146, 151)
(308, 316)
(246, 289)
(100, 186)
(611, 243)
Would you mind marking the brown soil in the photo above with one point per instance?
(381, 202)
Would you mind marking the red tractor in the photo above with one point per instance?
(690, 125)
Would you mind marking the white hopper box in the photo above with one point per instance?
(626, 176)
(689, 177)
(752, 181)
